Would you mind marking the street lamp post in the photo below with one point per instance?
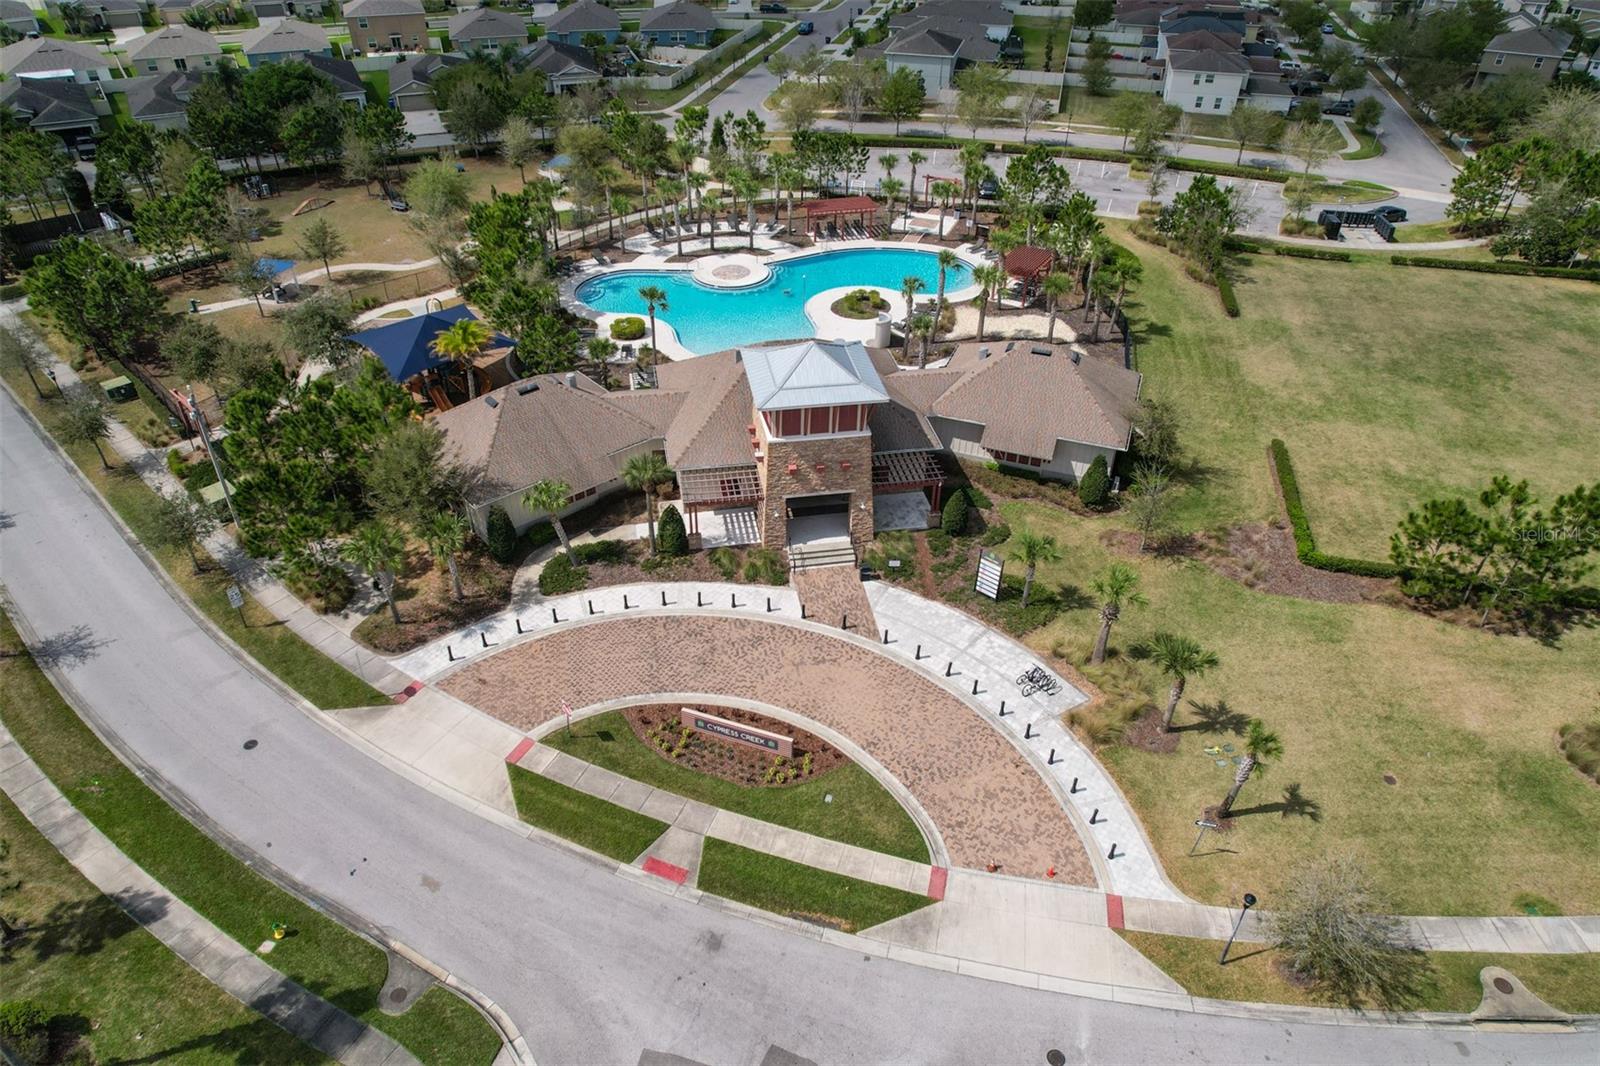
(1249, 901)
(205, 437)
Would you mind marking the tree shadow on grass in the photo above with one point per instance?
(83, 926)
(251, 1042)
(1294, 803)
(1215, 718)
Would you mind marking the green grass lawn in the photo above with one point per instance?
(862, 813)
(297, 664)
(1421, 232)
(800, 891)
(1371, 146)
(579, 817)
(1379, 379)
(322, 955)
(1567, 982)
(96, 971)
(1035, 30)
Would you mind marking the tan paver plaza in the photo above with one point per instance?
(990, 805)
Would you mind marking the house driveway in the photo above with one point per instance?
(989, 803)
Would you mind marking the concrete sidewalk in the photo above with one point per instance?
(220, 959)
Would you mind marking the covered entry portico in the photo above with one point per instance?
(818, 519)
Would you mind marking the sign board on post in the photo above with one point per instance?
(990, 567)
(235, 597)
(776, 743)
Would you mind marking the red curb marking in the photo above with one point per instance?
(524, 746)
(937, 878)
(676, 874)
(409, 691)
(1114, 911)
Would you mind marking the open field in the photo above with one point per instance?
(1390, 385)
(1035, 31)
(97, 972)
(1567, 982)
(861, 811)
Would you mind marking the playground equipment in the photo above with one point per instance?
(311, 203)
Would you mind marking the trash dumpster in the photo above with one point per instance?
(119, 389)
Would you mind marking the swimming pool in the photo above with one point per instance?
(709, 320)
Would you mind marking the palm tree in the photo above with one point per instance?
(461, 343)
(948, 261)
(550, 497)
(642, 473)
(910, 285)
(1120, 585)
(892, 188)
(1033, 549)
(922, 327)
(712, 204)
(916, 159)
(1260, 744)
(989, 277)
(944, 192)
(1101, 285)
(378, 548)
(1097, 248)
(746, 185)
(1055, 285)
(655, 298)
(1179, 658)
(671, 190)
(446, 535)
(1129, 273)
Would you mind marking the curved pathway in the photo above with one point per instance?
(989, 804)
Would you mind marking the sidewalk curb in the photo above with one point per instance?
(170, 793)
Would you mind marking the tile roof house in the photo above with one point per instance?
(938, 38)
(285, 39)
(682, 22)
(1536, 51)
(298, 9)
(172, 12)
(411, 80)
(18, 17)
(1206, 57)
(174, 48)
(488, 29)
(573, 23)
(386, 25)
(115, 14)
(798, 437)
(162, 100)
(47, 57)
(47, 106)
(565, 66)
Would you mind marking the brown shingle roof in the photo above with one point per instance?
(710, 427)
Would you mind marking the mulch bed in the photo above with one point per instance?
(1145, 734)
(426, 609)
(696, 566)
(739, 763)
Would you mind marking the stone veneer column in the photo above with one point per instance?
(820, 467)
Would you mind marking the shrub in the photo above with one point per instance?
(1329, 254)
(502, 535)
(538, 535)
(977, 497)
(1305, 546)
(600, 551)
(671, 537)
(13, 291)
(998, 533)
(1482, 267)
(939, 542)
(630, 328)
(725, 561)
(1095, 487)
(954, 519)
(324, 585)
(25, 1029)
(763, 566)
(175, 464)
(1230, 302)
(561, 575)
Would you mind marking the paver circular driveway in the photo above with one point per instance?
(987, 800)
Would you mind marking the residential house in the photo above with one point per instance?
(565, 66)
(938, 38)
(172, 12)
(487, 29)
(60, 107)
(55, 60)
(1537, 51)
(411, 80)
(295, 9)
(1209, 65)
(115, 14)
(572, 24)
(800, 443)
(1587, 12)
(18, 17)
(387, 25)
(174, 48)
(682, 23)
(285, 39)
(162, 100)
(347, 83)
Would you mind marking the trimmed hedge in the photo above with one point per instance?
(1099, 155)
(1478, 266)
(630, 328)
(539, 534)
(1095, 486)
(600, 551)
(954, 518)
(1305, 546)
(1298, 252)
(1230, 302)
(561, 575)
(671, 536)
(500, 535)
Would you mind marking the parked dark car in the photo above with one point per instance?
(989, 189)
(1305, 88)
(1340, 107)
(773, 9)
(804, 29)
(1392, 214)
(1327, 27)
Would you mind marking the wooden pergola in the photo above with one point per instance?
(863, 207)
(1028, 264)
(906, 471)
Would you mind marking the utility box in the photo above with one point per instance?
(119, 389)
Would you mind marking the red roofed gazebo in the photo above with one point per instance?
(863, 207)
(1028, 264)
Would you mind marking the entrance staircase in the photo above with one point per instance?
(819, 553)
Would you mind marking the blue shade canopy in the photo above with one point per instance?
(405, 347)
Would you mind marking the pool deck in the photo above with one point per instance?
(825, 324)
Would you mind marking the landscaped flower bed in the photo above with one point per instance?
(660, 727)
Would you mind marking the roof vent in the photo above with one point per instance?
(1075, 358)
(983, 353)
(1010, 345)
(491, 401)
(572, 379)
(1043, 351)
(527, 387)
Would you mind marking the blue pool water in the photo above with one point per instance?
(709, 320)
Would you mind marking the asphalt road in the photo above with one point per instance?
(594, 968)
